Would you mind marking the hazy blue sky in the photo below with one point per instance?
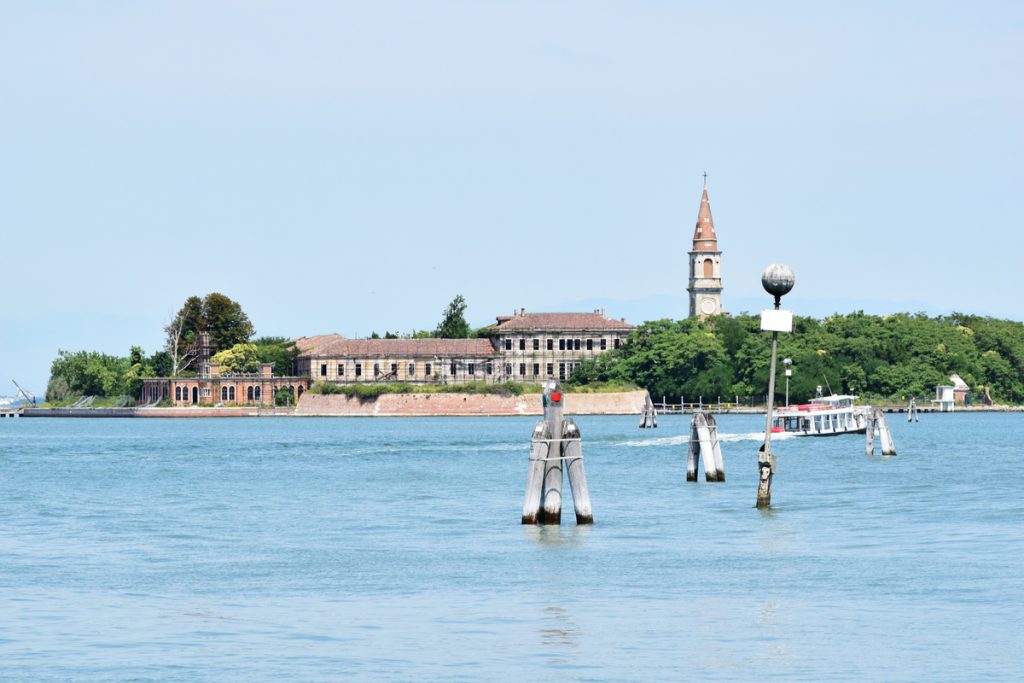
(350, 167)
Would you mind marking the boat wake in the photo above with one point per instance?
(685, 438)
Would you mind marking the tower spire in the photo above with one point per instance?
(704, 237)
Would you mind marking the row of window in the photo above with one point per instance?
(428, 369)
(563, 344)
(563, 369)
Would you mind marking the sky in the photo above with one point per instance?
(350, 167)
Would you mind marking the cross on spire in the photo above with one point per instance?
(705, 178)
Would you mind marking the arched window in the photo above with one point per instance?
(709, 268)
(231, 393)
(249, 394)
(177, 393)
(300, 391)
(223, 393)
(256, 393)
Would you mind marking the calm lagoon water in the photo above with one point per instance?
(391, 549)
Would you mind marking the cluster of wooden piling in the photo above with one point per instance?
(877, 425)
(704, 441)
(913, 413)
(649, 415)
(556, 445)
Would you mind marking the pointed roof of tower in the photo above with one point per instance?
(704, 236)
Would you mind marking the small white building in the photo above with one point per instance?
(944, 398)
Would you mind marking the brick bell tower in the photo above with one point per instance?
(705, 264)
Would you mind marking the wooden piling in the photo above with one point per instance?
(649, 414)
(551, 495)
(869, 432)
(704, 442)
(535, 473)
(694, 451)
(716, 447)
(885, 436)
(572, 451)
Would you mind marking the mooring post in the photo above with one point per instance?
(704, 442)
(551, 495)
(777, 279)
(694, 451)
(535, 473)
(572, 451)
(716, 448)
(884, 435)
(869, 443)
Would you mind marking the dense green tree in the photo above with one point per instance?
(279, 351)
(875, 356)
(453, 325)
(240, 358)
(217, 314)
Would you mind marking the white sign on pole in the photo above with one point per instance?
(776, 321)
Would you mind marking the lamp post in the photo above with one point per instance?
(777, 279)
(788, 363)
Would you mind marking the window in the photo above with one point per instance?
(376, 369)
(412, 369)
(551, 369)
(536, 369)
(561, 345)
(522, 344)
(616, 343)
(257, 393)
(590, 345)
(177, 393)
(206, 393)
(604, 344)
(508, 344)
(454, 368)
(551, 344)
(323, 369)
(508, 368)
(231, 393)
(536, 344)
(472, 368)
(489, 368)
(428, 370)
(522, 369)
(394, 369)
(249, 394)
(341, 369)
(576, 344)
(561, 371)
(223, 393)
(359, 369)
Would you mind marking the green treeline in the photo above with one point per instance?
(889, 356)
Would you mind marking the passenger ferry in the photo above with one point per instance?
(823, 416)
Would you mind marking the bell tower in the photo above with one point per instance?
(705, 264)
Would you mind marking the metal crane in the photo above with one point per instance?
(29, 396)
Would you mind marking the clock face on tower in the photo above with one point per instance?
(707, 306)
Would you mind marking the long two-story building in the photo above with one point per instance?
(524, 347)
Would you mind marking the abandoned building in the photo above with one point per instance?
(524, 347)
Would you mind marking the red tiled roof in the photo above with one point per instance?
(336, 345)
(561, 321)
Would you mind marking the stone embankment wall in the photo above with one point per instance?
(621, 403)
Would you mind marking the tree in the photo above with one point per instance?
(216, 314)
(226, 322)
(279, 351)
(453, 325)
(182, 335)
(239, 359)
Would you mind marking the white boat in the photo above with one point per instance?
(823, 416)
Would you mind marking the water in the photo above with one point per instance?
(391, 549)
